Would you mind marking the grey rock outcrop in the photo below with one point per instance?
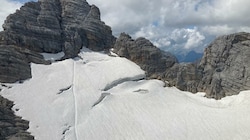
(145, 54)
(57, 25)
(184, 76)
(11, 126)
(223, 70)
(226, 66)
(15, 63)
(50, 26)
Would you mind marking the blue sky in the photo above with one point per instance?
(174, 25)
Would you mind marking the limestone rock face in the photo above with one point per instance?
(145, 54)
(223, 70)
(57, 25)
(35, 26)
(226, 66)
(50, 26)
(184, 76)
(15, 63)
(11, 126)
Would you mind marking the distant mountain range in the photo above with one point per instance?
(191, 56)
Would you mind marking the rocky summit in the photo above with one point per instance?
(50, 26)
(141, 51)
(46, 26)
(222, 71)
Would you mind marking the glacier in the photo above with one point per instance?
(98, 96)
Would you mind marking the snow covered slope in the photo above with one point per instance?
(99, 97)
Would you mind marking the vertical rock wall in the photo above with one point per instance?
(223, 70)
(50, 26)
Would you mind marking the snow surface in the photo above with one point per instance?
(53, 57)
(66, 101)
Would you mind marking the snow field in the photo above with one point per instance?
(59, 103)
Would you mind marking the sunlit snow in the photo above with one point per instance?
(99, 97)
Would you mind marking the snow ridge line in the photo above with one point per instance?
(75, 100)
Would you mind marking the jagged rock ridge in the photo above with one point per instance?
(61, 25)
(145, 54)
(223, 70)
(11, 126)
(57, 25)
(51, 26)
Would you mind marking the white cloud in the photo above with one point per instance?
(170, 24)
(218, 30)
(7, 7)
(194, 39)
(186, 38)
(199, 21)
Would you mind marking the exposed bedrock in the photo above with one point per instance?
(223, 70)
(226, 66)
(12, 127)
(145, 54)
(51, 26)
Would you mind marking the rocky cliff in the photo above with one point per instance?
(50, 26)
(11, 126)
(223, 70)
(61, 25)
(226, 66)
(145, 54)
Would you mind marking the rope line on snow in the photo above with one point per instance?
(75, 100)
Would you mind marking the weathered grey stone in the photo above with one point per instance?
(49, 26)
(15, 63)
(226, 66)
(145, 54)
(57, 25)
(184, 76)
(35, 26)
(223, 70)
(12, 127)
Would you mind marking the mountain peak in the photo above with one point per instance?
(55, 26)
